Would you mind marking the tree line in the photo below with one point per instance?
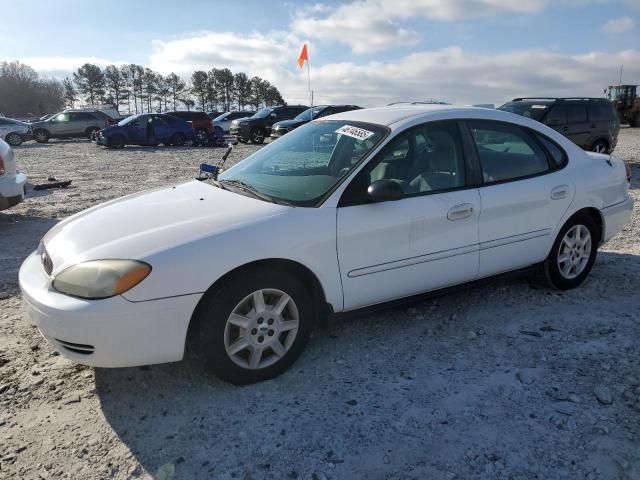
(23, 92)
(136, 89)
(131, 89)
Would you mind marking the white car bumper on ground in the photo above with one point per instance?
(113, 332)
(616, 217)
(12, 191)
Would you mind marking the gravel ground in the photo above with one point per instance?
(501, 381)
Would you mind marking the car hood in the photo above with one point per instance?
(142, 224)
(289, 123)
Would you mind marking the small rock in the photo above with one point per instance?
(525, 377)
(471, 335)
(603, 394)
(71, 398)
(165, 472)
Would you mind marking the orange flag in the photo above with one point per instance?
(304, 55)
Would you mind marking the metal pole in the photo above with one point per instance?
(621, 67)
(309, 80)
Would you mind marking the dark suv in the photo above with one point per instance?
(280, 128)
(257, 127)
(590, 123)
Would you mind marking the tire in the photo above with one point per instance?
(178, 139)
(13, 139)
(116, 141)
(213, 333)
(41, 136)
(600, 146)
(200, 137)
(257, 136)
(560, 274)
(635, 121)
(90, 132)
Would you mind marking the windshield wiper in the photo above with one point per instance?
(245, 187)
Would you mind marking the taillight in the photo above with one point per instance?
(1, 166)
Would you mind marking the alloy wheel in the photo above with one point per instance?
(261, 329)
(13, 139)
(574, 251)
(600, 147)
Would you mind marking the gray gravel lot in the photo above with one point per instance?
(505, 380)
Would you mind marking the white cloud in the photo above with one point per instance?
(372, 25)
(458, 76)
(619, 25)
(62, 66)
(206, 50)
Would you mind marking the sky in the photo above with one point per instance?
(365, 52)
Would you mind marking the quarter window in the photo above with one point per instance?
(507, 152)
(600, 113)
(427, 158)
(558, 156)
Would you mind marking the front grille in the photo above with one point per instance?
(47, 264)
(76, 347)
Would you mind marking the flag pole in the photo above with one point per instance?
(309, 81)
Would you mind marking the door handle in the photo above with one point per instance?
(460, 212)
(560, 192)
(565, 129)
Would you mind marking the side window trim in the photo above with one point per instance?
(484, 183)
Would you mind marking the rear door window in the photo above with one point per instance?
(600, 113)
(507, 152)
(557, 115)
(576, 114)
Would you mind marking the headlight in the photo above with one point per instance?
(243, 124)
(101, 278)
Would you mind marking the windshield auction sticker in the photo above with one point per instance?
(355, 132)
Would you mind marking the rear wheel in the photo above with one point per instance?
(600, 146)
(178, 139)
(253, 327)
(41, 136)
(200, 136)
(91, 132)
(13, 139)
(573, 253)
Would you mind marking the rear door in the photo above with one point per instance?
(525, 193)
(579, 129)
(162, 129)
(60, 125)
(602, 121)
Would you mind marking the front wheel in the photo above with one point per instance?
(257, 136)
(600, 147)
(254, 326)
(116, 141)
(41, 136)
(200, 137)
(573, 254)
(13, 139)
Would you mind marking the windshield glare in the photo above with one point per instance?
(262, 113)
(306, 115)
(127, 120)
(301, 167)
(534, 110)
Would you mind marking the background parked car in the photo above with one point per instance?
(69, 124)
(280, 128)
(224, 121)
(590, 123)
(258, 126)
(12, 182)
(215, 113)
(202, 123)
(14, 132)
(147, 129)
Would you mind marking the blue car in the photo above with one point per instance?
(147, 129)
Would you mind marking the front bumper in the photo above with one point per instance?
(616, 217)
(12, 193)
(113, 332)
(278, 132)
(240, 132)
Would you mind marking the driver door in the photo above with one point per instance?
(426, 240)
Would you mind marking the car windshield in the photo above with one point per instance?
(262, 113)
(534, 110)
(301, 167)
(222, 117)
(306, 115)
(127, 120)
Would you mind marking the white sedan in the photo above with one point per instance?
(353, 210)
(12, 182)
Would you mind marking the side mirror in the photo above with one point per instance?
(273, 115)
(384, 190)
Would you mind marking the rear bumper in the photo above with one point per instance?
(616, 217)
(113, 332)
(12, 193)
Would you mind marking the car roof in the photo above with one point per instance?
(393, 114)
